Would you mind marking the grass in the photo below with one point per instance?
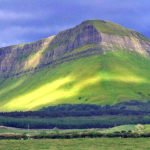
(115, 29)
(101, 79)
(82, 48)
(39, 131)
(120, 128)
(109, 78)
(133, 128)
(111, 28)
(77, 144)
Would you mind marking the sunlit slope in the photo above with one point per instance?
(101, 79)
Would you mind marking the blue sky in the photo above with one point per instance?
(24, 21)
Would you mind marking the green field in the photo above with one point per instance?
(77, 144)
(101, 79)
(133, 128)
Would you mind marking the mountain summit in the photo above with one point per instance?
(96, 62)
(94, 33)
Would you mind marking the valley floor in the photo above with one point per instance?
(77, 144)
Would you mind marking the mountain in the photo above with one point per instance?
(96, 62)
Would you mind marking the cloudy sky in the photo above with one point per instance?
(24, 21)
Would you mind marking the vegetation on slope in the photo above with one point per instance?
(111, 28)
(77, 144)
(115, 29)
(104, 121)
(126, 131)
(101, 79)
(123, 128)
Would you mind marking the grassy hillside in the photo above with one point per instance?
(115, 29)
(133, 128)
(78, 144)
(100, 79)
(111, 28)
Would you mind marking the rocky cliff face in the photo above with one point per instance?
(99, 34)
(131, 43)
(13, 58)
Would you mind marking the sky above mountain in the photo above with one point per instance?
(24, 21)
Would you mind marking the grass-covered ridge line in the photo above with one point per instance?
(111, 28)
(83, 49)
(115, 29)
(102, 79)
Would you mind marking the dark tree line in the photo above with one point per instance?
(79, 116)
(79, 110)
(73, 122)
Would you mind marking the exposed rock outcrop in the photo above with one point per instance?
(20, 58)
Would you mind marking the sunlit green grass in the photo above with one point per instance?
(133, 128)
(77, 144)
(101, 79)
(111, 28)
(130, 127)
(115, 29)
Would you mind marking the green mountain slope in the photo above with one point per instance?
(100, 71)
(115, 77)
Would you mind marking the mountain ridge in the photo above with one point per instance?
(78, 65)
(106, 35)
